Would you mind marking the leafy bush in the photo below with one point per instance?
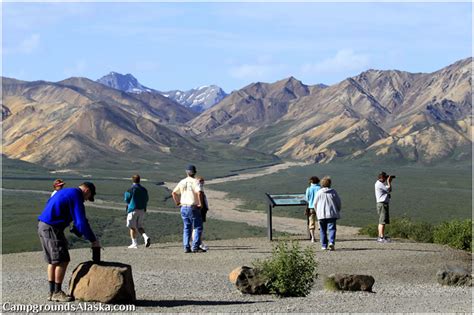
(330, 284)
(290, 270)
(455, 233)
(403, 228)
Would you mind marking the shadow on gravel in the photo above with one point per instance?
(392, 249)
(176, 303)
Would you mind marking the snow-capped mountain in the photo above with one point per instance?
(126, 83)
(198, 99)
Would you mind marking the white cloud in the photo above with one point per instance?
(30, 44)
(77, 70)
(250, 71)
(26, 46)
(345, 60)
(263, 69)
(146, 66)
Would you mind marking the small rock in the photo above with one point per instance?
(248, 280)
(456, 276)
(105, 282)
(352, 282)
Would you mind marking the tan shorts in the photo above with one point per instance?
(384, 215)
(312, 219)
(135, 219)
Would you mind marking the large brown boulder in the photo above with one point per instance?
(455, 276)
(248, 280)
(105, 282)
(350, 282)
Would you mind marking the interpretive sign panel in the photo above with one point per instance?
(287, 199)
(277, 200)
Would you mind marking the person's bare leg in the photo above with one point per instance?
(51, 272)
(60, 271)
(381, 230)
(311, 232)
(133, 233)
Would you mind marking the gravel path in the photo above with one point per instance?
(167, 280)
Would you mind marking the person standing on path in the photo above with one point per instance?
(310, 196)
(187, 195)
(204, 208)
(67, 206)
(328, 206)
(383, 188)
(57, 185)
(137, 199)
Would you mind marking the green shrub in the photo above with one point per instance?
(370, 230)
(403, 228)
(455, 233)
(330, 284)
(290, 270)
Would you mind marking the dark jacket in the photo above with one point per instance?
(136, 198)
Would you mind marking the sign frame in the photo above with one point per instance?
(272, 204)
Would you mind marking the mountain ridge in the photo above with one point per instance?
(378, 114)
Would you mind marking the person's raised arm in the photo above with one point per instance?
(389, 183)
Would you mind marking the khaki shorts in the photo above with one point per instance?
(135, 219)
(384, 215)
(54, 243)
(312, 219)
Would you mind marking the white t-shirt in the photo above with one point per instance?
(188, 189)
(382, 192)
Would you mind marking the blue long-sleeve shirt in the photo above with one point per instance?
(311, 194)
(66, 206)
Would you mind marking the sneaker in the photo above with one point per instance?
(61, 297)
(332, 247)
(387, 239)
(204, 247)
(133, 246)
(50, 295)
(380, 240)
(323, 248)
(147, 242)
(187, 250)
(312, 240)
(199, 250)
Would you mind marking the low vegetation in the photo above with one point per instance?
(444, 187)
(20, 220)
(455, 233)
(290, 270)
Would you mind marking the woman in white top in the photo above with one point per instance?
(57, 185)
(328, 206)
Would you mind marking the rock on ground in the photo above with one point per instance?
(105, 282)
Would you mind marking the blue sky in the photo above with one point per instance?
(185, 45)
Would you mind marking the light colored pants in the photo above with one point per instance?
(312, 219)
(135, 219)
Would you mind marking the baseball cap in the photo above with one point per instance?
(91, 187)
(58, 182)
(191, 168)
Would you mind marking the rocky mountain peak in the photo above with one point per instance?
(198, 99)
(123, 82)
